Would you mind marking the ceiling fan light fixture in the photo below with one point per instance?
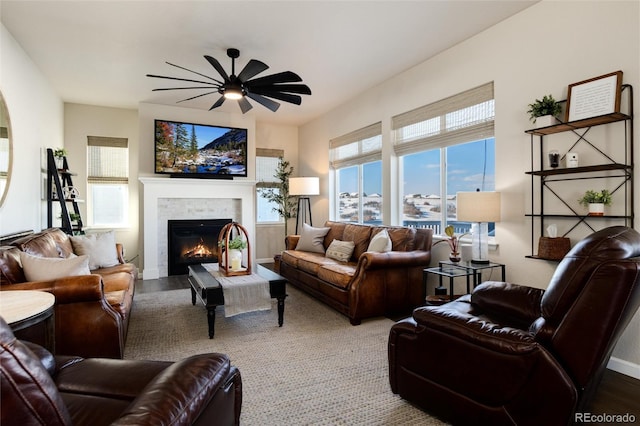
(233, 93)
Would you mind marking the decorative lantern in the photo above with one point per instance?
(233, 240)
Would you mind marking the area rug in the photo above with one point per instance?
(317, 369)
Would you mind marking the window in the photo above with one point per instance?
(444, 148)
(356, 162)
(266, 165)
(108, 181)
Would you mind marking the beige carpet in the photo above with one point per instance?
(315, 370)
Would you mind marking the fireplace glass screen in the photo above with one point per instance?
(192, 242)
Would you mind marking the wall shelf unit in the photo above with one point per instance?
(618, 173)
(60, 190)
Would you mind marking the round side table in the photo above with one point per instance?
(29, 313)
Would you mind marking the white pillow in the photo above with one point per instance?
(311, 239)
(381, 242)
(340, 250)
(38, 268)
(101, 249)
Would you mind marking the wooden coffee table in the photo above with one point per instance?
(206, 288)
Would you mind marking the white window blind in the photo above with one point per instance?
(358, 147)
(266, 165)
(108, 160)
(460, 118)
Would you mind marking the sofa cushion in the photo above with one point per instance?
(338, 274)
(380, 242)
(335, 233)
(41, 244)
(311, 239)
(291, 257)
(311, 262)
(100, 247)
(402, 239)
(360, 235)
(38, 268)
(11, 271)
(340, 250)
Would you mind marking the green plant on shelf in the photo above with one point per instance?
(596, 197)
(545, 106)
(59, 153)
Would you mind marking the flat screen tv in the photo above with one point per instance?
(200, 150)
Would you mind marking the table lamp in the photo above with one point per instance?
(303, 187)
(479, 208)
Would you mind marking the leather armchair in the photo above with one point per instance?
(38, 388)
(510, 354)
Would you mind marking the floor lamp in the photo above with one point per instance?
(479, 208)
(303, 187)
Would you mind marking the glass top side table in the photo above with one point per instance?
(447, 269)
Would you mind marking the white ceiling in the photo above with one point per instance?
(99, 52)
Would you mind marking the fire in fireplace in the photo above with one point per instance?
(192, 241)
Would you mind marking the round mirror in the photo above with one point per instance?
(5, 150)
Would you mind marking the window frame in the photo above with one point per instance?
(365, 145)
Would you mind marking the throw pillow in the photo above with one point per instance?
(381, 242)
(38, 268)
(311, 239)
(340, 250)
(101, 249)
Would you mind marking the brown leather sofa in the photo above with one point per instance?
(370, 284)
(510, 354)
(38, 388)
(91, 311)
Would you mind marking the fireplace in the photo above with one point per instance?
(192, 241)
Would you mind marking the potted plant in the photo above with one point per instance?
(543, 112)
(236, 245)
(454, 243)
(58, 155)
(285, 204)
(596, 201)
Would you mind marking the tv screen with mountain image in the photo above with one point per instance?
(199, 150)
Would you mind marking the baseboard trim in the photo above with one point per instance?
(624, 367)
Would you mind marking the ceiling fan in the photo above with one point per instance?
(240, 86)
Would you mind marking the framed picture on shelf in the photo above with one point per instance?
(594, 97)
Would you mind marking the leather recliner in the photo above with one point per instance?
(40, 389)
(510, 354)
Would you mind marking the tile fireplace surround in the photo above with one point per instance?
(182, 198)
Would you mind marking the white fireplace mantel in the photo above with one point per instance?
(157, 188)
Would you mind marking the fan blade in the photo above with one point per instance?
(197, 96)
(294, 99)
(214, 62)
(272, 105)
(183, 79)
(195, 72)
(180, 88)
(267, 80)
(253, 68)
(218, 103)
(302, 89)
(244, 105)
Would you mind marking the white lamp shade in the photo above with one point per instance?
(478, 206)
(304, 186)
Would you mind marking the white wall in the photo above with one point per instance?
(36, 113)
(539, 51)
(81, 121)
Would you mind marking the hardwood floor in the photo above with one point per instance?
(618, 394)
